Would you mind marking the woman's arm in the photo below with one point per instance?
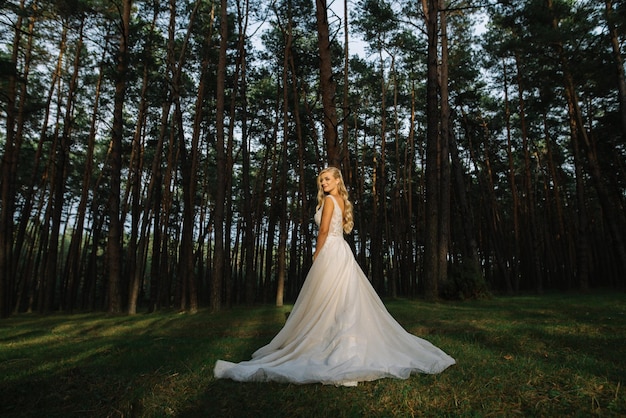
(327, 214)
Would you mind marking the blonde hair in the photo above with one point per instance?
(348, 220)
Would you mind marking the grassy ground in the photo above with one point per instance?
(554, 355)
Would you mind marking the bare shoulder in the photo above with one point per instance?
(328, 203)
(340, 202)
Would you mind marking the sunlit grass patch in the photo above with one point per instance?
(554, 355)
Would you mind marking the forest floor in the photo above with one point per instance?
(531, 356)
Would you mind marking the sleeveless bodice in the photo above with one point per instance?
(336, 223)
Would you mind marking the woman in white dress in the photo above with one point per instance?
(338, 332)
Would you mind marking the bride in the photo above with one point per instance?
(339, 332)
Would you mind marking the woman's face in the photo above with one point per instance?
(328, 182)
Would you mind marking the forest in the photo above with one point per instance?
(164, 155)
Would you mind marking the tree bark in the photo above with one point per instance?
(433, 150)
(188, 168)
(515, 263)
(114, 239)
(217, 279)
(8, 165)
(328, 86)
(534, 238)
(443, 241)
(248, 214)
(68, 295)
(301, 225)
(136, 244)
(73, 265)
(282, 190)
(56, 175)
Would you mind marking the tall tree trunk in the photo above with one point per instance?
(443, 240)
(328, 85)
(282, 233)
(564, 241)
(433, 150)
(73, 265)
(301, 225)
(400, 224)
(470, 244)
(239, 71)
(251, 286)
(8, 164)
(409, 166)
(63, 159)
(375, 227)
(91, 268)
(134, 266)
(515, 263)
(281, 273)
(156, 283)
(379, 224)
(494, 232)
(158, 196)
(534, 240)
(266, 280)
(30, 198)
(217, 279)
(250, 274)
(57, 174)
(583, 249)
(188, 168)
(274, 213)
(140, 211)
(345, 133)
(114, 239)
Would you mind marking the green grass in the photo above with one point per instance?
(554, 355)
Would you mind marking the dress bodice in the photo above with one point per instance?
(336, 223)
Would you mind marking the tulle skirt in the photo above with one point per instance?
(338, 332)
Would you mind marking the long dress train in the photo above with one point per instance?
(338, 332)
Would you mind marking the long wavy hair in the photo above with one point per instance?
(348, 219)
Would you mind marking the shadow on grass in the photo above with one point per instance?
(530, 356)
(99, 365)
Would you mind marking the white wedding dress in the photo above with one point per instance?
(339, 332)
